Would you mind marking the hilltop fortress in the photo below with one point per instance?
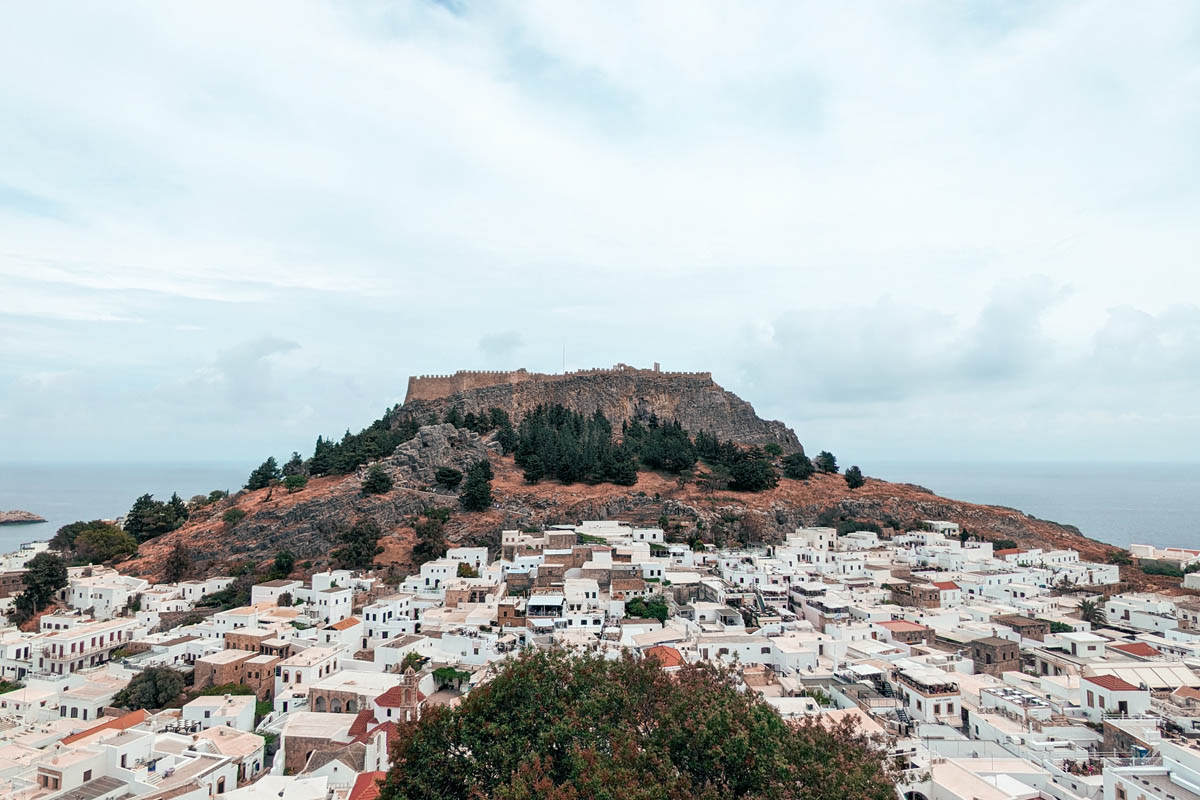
(433, 387)
(622, 393)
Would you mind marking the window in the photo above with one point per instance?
(87, 775)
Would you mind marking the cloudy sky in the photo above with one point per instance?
(944, 231)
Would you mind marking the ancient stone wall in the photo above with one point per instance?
(622, 394)
(432, 387)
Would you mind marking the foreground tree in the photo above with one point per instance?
(152, 688)
(574, 725)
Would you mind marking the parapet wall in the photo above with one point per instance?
(433, 387)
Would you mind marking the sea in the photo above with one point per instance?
(1119, 503)
(64, 493)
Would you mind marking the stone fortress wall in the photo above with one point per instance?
(434, 387)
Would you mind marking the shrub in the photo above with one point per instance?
(448, 477)
(377, 481)
(233, 516)
(798, 467)
(294, 483)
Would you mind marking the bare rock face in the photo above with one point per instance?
(622, 395)
(19, 517)
(415, 462)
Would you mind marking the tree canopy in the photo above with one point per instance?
(377, 481)
(152, 688)
(477, 488)
(45, 574)
(854, 477)
(826, 462)
(149, 517)
(93, 542)
(264, 475)
(360, 545)
(559, 724)
(798, 467)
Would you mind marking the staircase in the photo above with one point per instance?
(886, 690)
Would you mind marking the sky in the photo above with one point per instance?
(910, 230)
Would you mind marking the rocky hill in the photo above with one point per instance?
(622, 394)
(309, 521)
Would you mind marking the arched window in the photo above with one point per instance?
(335, 705)
(220, 786)
(320, 704)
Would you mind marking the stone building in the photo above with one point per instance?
(993, 655)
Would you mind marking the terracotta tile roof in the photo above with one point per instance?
(902, 626)
(394, 697)
(946, 586)
(1112, 683)
(121, 723)
(666, 656)
(366, 786)
(1137, 649)
(362, 721)
(1011, 551)
(348, 622)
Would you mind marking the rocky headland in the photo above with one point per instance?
(19, 517)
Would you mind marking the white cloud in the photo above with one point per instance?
(391, 184)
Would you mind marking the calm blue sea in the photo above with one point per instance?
(1120, 503)
(1117, 503)
(65, 493)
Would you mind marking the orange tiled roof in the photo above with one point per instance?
(1112, 683)
(366, 786)
(348, 622)
(666, 656)
(1137, 649)
(121, 723)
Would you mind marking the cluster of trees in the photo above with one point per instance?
(149, 517)
(45, 574)
(152, 688)
(93, 542)
(372, 443)
(494, 419)
(562, 724)
(555, 442)
(655, 608)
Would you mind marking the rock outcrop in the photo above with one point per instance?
(19, 517)
(621, 394)
(415, 462)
